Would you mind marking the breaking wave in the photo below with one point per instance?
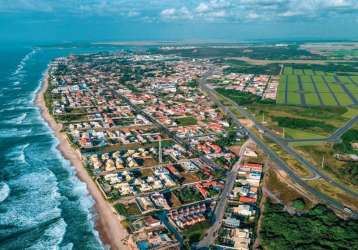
(14, 132)
(22, 64)
(17, 120)
(17, 154)
(51, 237)
(4, 191)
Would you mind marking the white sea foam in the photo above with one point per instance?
(20, 101)
(38, 202)
(80, 189)
(14, 132)
(39, 85)
(4, 191)
(69, 246)
(21, 65)
(17, 120)
(17, 154)
(52, 236)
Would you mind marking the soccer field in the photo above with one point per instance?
(317, 88)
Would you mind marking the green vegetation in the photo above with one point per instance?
(186, 121)
(193, 83)
(126, 211)
(345, 53)
(318, 83)
(299, 134)
(345, 172)
(298, 123)
(227, 140)
(346, 145)
(299, 204)
(242, 98)
(195, 233)
(319, 228)
(349, 169)
(256, 52)
(333, 116)
(237, 66)
(71, 118)
(188, 194)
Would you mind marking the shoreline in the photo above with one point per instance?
(107, 222)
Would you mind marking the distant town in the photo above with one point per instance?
(172, 147)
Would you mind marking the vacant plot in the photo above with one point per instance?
(300, 134)
(312, 99)
(281, 93)
(186, 121)
(294, 98)
(309, 87)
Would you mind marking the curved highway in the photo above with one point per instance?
(269, 134)
(274, 157)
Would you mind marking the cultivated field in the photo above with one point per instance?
(317, 88)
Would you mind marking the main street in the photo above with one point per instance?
(220, 207)
(270, 153)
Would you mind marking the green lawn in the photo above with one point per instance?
(298, 71)
(281, 91)
(344, 99)
(309, 72)
(320, 78)
(351, 113)
(353, 89)
(292, 83)
(328, 99)
(336, 88)
(299, 134)
(308, 87)
(186, 121)
(294, 98)
(287, 70)
(312, 99)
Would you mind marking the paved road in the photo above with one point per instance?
(275, 158)
(301, 90)
(219, 212)
(279, 141)
(335, 137)
(286, 90)
(346, 90)
(330, 90)
(352, 81)
(317, 91)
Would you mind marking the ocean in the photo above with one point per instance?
(43, 205)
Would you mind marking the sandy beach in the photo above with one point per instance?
(108, 223)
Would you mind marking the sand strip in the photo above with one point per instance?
(108, 223)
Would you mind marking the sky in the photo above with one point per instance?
(173, 20)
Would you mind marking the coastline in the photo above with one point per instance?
(108, 223)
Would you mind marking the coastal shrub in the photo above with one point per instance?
(299, 204)
(347, 138)
(298, 123)
(319, 228)
(243, 98)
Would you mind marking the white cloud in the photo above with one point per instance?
(176, 14)
(194, 10)
(202, 7)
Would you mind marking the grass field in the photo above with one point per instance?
(317, 88)
(300, 134)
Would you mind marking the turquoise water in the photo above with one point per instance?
(43, 205)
